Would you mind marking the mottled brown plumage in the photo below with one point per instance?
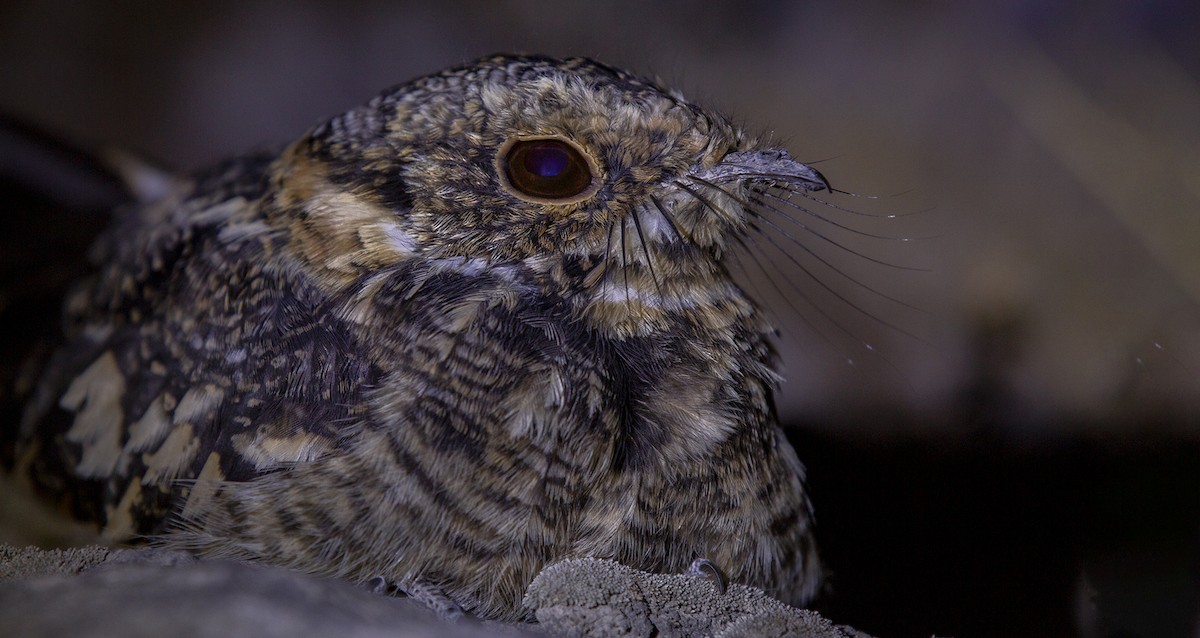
(478, 325)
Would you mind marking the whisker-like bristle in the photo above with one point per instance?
(806, 249)
(670, 220)
(812, 213)
(702, 199)
(866, 345)
(844, 299)
(637, 223)
(807, 194)
(791, 185)
(743, 276)
(757, 217)
(753, 255)
(624, 261)
(831, 266)
(607, 257)
(779, 291)
(819, 235)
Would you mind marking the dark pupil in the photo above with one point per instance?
(545, 160)
(549, 169)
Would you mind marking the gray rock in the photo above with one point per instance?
(152, 594)
(591, 597)
(99, 592)
(18, 564)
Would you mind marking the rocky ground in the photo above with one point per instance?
(96, 592)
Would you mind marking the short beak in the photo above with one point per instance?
(764, 166)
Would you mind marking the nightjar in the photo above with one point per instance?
(483, 323)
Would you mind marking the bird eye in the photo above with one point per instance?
(546, 169)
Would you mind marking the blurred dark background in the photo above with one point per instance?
(1018, 457)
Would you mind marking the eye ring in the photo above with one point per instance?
(547, 169)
